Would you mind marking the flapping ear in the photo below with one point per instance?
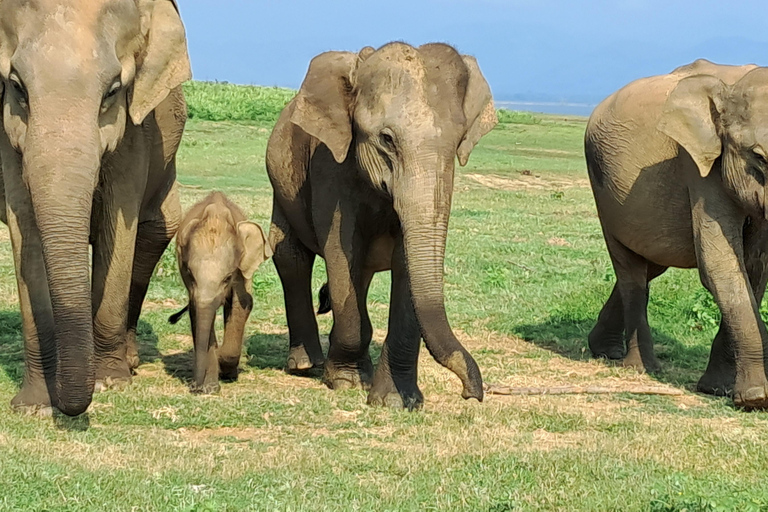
(182, 237)
(690, 118)
(322, 105)
(163, 62)
(256, 250)
(478, 109)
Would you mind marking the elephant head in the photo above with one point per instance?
(75, 75)
(714, 121)
(405, 114)
(215, 251)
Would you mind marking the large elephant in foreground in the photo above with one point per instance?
(92, 115)
(362, 164)
(679, 166)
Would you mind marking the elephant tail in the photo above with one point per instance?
(324, 297)
(174, 318)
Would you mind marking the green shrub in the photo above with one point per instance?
(221, 101)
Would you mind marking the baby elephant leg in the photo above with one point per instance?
(237, 309)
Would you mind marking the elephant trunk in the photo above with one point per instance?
(61, 176)
(203, 315)
(422, 199)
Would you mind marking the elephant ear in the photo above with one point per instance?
(323, 103)
(256, 249)
(163, 61)
(690, 118)
(478, 110)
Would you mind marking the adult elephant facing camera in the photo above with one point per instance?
(679, 167)
(362, 164)
(93, 115)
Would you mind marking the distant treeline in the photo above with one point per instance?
(222, 101)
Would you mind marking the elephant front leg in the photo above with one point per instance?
(720, 375)
(348, 364)
(237, 309)
(395, 381)
(37, 393)
(720, 258)
(607, 337)
(113, 257)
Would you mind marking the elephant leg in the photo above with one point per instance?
(720, 252)
(38, 387)
(294, 263)
(632, 273)
(113, 257)
(720, 375)
(395, 383)
(237, 308)
(607, 337)
(348, 363)
(152, 238)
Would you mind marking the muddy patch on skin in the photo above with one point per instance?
(527, 180)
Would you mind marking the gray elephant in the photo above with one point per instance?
(362, 165)
(92, 115)
(678, 167)
(218, 250)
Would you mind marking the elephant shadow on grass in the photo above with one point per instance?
(682, 365)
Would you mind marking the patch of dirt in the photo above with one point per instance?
(155, 306)
(528, 181)
(556, 240)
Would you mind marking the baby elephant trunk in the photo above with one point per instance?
(205, 374)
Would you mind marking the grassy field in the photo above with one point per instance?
(526, 274)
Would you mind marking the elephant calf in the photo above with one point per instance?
(218, 251)
(679, 165)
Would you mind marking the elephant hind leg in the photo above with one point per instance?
(294, 263)
(633, 273)
(606, 339)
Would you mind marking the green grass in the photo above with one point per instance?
(525, 261)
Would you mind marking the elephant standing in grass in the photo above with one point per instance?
(218, 250)
(679, 165)
(92, 116)
(362, 165)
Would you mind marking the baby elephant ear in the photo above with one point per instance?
(256, 250)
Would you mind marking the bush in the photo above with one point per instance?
(221, 101)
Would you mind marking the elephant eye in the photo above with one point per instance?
(112, 91)
(18, 87)
(761, 157)
(387, 139)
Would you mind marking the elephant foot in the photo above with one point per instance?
(751, 391)
(228, 371)
(38, 411)
(647, 364)
(717, 382)
(384, 393)
(606, 345)
(339, 376)
(111, 383)
(208, 388)
(132, 351)
(299, 361)
(33, 399)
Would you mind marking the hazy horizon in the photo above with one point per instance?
(542, 52)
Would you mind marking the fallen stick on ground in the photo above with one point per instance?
(495, 389)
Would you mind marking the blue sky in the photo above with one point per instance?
(579, 50)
